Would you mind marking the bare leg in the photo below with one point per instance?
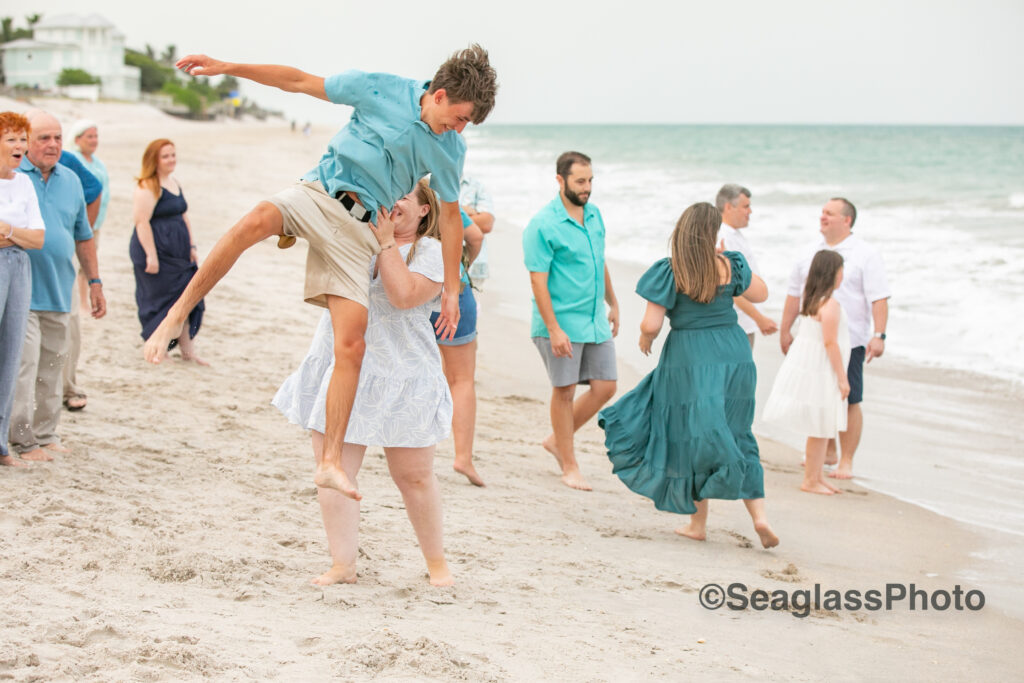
(460, 371)
(814, 462)
(582, 409)
(413, 471)
(341, 516)
(755, 507)
(188, 348)
(348, 321)
(262, 222)
(697, 529)
(848, 442)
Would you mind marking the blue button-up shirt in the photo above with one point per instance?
(385, 148)
(573, 257)
(63, 207)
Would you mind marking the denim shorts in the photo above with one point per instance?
(466, 331)
(855, 375)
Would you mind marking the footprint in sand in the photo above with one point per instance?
(789, 575)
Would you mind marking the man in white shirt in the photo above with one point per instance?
(733, 201)
(864, 295)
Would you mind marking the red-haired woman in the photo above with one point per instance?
(21, 228)
(163, 249)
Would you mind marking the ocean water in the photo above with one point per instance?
(945, 205)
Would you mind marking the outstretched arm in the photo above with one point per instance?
(284, 78)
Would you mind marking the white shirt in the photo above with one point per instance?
(863, 283)
(19, 205)
(735, 240)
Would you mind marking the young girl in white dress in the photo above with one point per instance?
(402, 401)
(809, 394)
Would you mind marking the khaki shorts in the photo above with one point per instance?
(340, 247)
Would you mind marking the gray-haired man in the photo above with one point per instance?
(734, 203)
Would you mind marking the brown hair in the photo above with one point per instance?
(150, 160)
(430, 225)
(848, 210)
(468, 76)
(821, 280)
(11, 122)
(563, 166)
(694, 261)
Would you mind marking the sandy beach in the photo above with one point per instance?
(177, 542)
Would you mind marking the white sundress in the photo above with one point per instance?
(805, 396)
(402, 399)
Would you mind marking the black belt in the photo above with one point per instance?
(357, 211)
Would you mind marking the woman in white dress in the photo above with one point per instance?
(810, 390)
(402, 401)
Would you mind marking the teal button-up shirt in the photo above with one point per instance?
(573, 257)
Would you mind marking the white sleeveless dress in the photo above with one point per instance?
(805, 397)
(402, 399)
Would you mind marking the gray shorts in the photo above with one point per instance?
(589, 361)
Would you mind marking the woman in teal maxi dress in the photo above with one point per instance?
(683, 434)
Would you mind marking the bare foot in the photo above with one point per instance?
(831, 459)
(55, 447)
(440, 575)
(816, 487)
(765, 533)
(194, 358)
(691, 531)
(842, 473)
(469, 472)
(155, 348)
(830, 485)
(37, 455)
(330, 477)
(338, 573)
(549, 446)
(11, 461)
(574, 480)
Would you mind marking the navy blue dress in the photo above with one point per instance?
(155, 293)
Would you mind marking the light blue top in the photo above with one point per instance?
(63, 207)
(573, 257)
(98, 169)
(385, 148)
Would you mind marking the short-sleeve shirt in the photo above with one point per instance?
(98, 169)
(573, 257)
(385, 148)
(91, 185)
(19, 206)
(473, 193)
(735, 240)
(658, 285)
(62, 206)
(864, 282)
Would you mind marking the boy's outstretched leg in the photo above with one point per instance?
(348, 321)
(262, 222)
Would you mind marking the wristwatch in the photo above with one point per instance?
(880, 335)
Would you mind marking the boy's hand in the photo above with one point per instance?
(200, 65)
(448, 321)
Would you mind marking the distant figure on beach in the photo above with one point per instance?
(37, 400)
(683, 434)
(563, 247)
(733, 201)
(363, 169)
(810, 390)
(477, 203)
(402, 402)
(307, 129)
(163, 247)
(459, 356)
(85, 134)
(21, 229)
(864, 295)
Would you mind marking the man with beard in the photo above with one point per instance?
(563, 248)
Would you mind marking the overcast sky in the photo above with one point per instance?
(596, 61)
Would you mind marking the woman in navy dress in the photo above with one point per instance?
(163, 250)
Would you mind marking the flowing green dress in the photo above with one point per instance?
(683, 433)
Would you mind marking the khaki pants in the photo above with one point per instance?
(37, 396)
(71, 387)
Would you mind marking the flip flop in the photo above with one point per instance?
(285, 241)
(75, 403)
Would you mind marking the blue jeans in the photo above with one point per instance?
(15, 297)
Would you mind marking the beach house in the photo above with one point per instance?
(71, 41)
